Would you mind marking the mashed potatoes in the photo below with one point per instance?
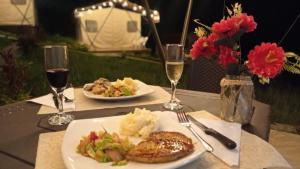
(139, 123)
(126, 82)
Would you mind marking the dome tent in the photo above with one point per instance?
(112, 26)
(17, 13)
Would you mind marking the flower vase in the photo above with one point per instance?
(237, 93)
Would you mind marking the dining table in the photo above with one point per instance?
(23, 129)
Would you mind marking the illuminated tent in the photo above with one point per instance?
(112, 26)
(17, 12)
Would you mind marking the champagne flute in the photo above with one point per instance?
(174, 68)
(56, 64)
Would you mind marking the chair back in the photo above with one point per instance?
(205, 75)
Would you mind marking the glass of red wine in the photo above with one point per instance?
(56, 64)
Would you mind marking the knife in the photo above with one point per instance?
(227, 142)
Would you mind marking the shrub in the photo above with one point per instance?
(13, 72)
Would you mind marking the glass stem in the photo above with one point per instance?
(173, 87)
(60, 103)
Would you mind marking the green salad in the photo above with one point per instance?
(105, 147)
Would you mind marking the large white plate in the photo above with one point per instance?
(78, 128)
(142, 90)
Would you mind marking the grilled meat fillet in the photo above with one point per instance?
(161, 147)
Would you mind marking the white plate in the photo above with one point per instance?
(78, 128)
(142, 90)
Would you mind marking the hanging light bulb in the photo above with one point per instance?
(115, 1)
(104, 4)
(156, 19)
(134, 8)
(140, 7)
(82, 9)
(144, 13)
(155, 12)
(152, 15)
(93, 7)
(100, 7)
(110, 3)
(125, 3)
(80, 14)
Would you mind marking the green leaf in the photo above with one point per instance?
(229, 11)
(205, 26)
(226, 42)
(292, 63)
(264, 80)
(120, 163)
(237, 36)
(291, 54)
(292, 69)
(126, 91)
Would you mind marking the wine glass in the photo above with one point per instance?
(56, 64)
(174, 68)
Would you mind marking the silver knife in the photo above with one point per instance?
(227, 142)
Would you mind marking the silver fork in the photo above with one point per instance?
(183, 120)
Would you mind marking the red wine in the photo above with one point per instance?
(58, 77)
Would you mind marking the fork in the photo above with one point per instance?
(183, 120)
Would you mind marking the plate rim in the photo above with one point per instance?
(190, 158)
(99, 97)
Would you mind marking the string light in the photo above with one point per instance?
(111, 4)
(156, 19)
(80, 14)
(137, 8)
(125, 3)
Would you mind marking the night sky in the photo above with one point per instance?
(273, 18)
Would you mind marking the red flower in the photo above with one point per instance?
(204, 47)
(213, 37)
(247, 23)
(227, 27)
(230, 26)
(266, 60)
(227, 56)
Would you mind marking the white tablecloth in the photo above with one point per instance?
(83, 103)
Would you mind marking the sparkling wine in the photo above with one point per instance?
(58, 77)
(174, 70)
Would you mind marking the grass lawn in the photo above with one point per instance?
(86, 67)
(283, 96)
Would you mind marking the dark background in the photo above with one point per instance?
(273, 18)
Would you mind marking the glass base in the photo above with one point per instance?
(173, 106)
(60, 119)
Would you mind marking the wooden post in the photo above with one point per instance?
(154, 30)
(186, 23)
